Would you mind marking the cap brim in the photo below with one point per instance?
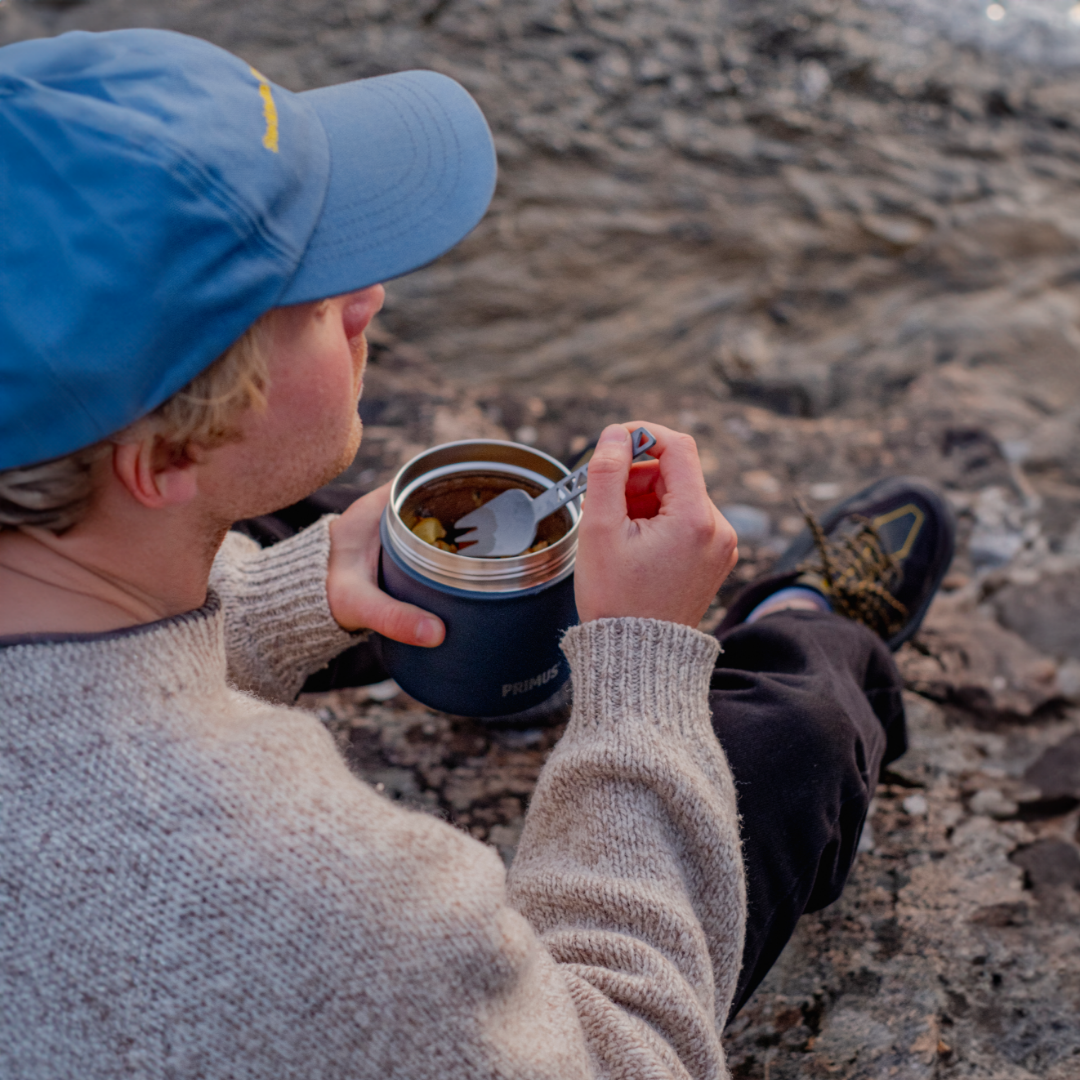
(412, 170)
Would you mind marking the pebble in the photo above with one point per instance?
(761, 481)
(825, 491)
(992, 803)
(1068, 677)
(866, 840)
(383, 691)
(990, 547)
(751, 525)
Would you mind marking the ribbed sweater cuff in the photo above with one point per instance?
(283, 604)
(628, 670)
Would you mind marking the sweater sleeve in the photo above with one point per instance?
(278, 626)
(292, 922)
(630, 866)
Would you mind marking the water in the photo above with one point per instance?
(1031, 31)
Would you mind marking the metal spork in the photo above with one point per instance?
(507, 524)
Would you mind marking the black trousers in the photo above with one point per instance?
(807, 707)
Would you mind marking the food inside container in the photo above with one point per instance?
(431, 510)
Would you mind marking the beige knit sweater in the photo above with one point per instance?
(192, 884)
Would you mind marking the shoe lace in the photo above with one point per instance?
(856, 573)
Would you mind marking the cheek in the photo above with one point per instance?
(314, 384)
(303, 416)
(323, 391)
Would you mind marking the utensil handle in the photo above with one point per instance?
(573, 486)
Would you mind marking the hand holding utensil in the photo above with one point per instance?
(507, 524)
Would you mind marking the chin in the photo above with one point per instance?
(345, 456)
(293, 477)
(349, 452)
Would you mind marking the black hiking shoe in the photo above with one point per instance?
(879, 557)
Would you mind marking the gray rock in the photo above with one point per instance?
(965, 657)
(992, 547)
(1048, 863)
(1057, 772)
(951, 950)
(992, 803)
(751, 524)
(1045, 614)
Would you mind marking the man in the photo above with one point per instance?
(192, 884)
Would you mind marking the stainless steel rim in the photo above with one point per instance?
(480, 575)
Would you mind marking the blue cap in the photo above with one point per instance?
(157, 195)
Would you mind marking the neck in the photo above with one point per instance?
(95, 578)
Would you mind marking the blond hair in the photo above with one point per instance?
(55, 494)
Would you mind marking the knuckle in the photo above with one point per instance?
(726, 535)
(686, 443)
(701, 526)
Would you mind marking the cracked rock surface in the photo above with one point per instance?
(835, 241)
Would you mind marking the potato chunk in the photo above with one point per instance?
(429, 529)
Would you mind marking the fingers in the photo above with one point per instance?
(393, 619)
(609, 471)
(357, 602)
(653, 544)
(645, 485)
(680, 467)
(643, 477)
(352, 588)
(359, 525)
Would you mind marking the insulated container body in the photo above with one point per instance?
(504, 617)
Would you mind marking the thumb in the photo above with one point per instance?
(609, 471)
(394, 619)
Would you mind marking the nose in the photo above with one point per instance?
(360, 308)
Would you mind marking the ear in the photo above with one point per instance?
(154, 475)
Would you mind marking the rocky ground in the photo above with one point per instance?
(955, 950)
(833, 240)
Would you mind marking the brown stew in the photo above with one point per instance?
(452, 497)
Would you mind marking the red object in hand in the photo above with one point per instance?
(652, 544)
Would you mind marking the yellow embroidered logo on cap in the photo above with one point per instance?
(270, 139)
